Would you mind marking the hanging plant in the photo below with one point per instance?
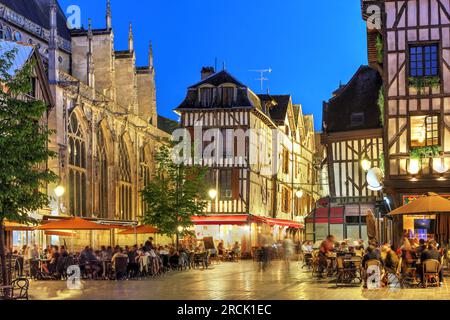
(381, 105)
(422, 82)
(380, 49)
(425, 152)
(382, 164)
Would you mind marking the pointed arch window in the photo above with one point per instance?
(77, 168)
(102, 175)
(125, 183)
(146, 174)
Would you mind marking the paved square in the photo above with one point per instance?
(228, 281)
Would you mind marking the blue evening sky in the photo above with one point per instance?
(310, 45)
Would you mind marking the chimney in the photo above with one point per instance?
(207, 72)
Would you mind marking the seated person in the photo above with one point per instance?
(431, 253)
(372, 254)
(390, 260)
(63, 252)
(133, 265)
(421, 248)
(53, 260)
(119, 253)
(221, 248)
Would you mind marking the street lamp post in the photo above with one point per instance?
(180, 229)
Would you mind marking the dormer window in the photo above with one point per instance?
(206, 97)
(227, 96)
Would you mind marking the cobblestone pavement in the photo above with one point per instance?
(229, 281)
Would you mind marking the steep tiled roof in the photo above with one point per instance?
(279, 111)
(244, 96)
(38, 11)
(167, 125)
(360, 95)
(219, 78)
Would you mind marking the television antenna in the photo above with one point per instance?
(262, 77)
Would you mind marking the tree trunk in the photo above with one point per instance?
(3, 255)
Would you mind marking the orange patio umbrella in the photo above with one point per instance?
(73, 224)
(61, 233)
(430, 203)
(144, 229)
(16, 226)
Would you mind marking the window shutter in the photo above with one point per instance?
(235, 183)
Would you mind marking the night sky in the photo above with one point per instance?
(310, 45)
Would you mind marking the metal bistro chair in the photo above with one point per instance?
(120, 268)
(20, 288)
(430, 273)
(347, 274)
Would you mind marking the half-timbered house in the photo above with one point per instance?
(414, 56)
(254, 166)
(352, 131)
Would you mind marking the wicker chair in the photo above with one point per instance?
(431, 269)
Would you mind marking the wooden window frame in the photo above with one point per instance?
(422, 46)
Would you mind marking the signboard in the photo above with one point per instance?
(209, 243)
(410, 198)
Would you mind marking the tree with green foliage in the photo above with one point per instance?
(24, 141)
(175, 194)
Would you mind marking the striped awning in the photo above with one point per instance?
(243, 219)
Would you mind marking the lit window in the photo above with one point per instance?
(226, 184)
(285, 161)
(125, 183)
(424, 131)
(146, 160)
(77, 168)
(286, 200)
(424, 61)
(102, 175)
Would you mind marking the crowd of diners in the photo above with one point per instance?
(405, 261)
(145, 259)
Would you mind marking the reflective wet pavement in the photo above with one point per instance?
(229, 281)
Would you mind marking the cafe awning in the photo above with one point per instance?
(238, 219)
(73, 224)
(144, 229)
(284, 223)
(333, 215)
(430, 203)
(243, 219)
